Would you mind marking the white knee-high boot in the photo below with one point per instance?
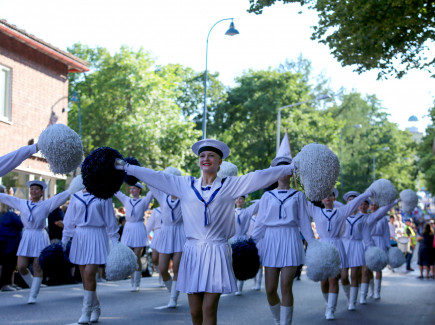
(161, 284)
(168, 284)
(352, 298)
(275, 310)
(325, 296)
(258, 278)
(346, 289)
(371, 289)
(95, 308)
(174, 295)
(332, 304)
(34, 289)
(85, 318)
(133, 282)
(239, 287)
(286, 315)
(28, 278)
(363, 294)
(377, 289)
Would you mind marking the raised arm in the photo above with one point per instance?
(122, 197)
(348, 208)
(259, 226)
(110, 220)
(304, 219)
(69, 222)
(157, 194)
(13, 159)
(379, 213)
(11, 201)
(252, 209)
(57, 200)
(148, 198)
(311, 209)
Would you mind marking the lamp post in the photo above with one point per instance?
(76, 98)
(278, 117)
(374, 160)
(356, 126)
(230, 32)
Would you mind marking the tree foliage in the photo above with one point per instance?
(390, 35)
(427, 155)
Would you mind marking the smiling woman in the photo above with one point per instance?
(207, 206)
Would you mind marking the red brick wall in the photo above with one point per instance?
(39, 86)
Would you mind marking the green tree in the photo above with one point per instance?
(427, 155)
(130, 104)
(373, 34)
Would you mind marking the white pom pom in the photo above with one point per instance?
(323, 261)
(62, 148)
(318, 168)
(121, 262)
(227, 169)
(172, 170)
(409, 200)
(384, 192)
(376, 258)
(395, 257)
(76, 184)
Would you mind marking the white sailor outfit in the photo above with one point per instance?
(353, 239)
(206, 264)
(171, 238)
(135, 233)
(13, 159)
(154, 224)
(33, 216)
(242, 220)
(330, 224)
(381, 234)
(371, 222)
(281, 217)
(89, 221)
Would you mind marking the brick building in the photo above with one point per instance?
(33, 95)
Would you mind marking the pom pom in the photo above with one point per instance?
(131, 180)
(76, 184)
(52, 259)
(384, 192)
(395, 257)
(227, 169)
(318, 168)
(245, 259)
(323, 261)
(99, 174)
(376, 258)
(172, 170)
(409, 200)
(121, 262)
(62, 148)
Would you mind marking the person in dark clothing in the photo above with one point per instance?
(426, 251)
(55, 225)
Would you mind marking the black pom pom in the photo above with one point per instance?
(131, 180)
(245, 259)
(52, 259)
(99, 174)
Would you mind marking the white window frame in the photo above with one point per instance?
(6, 94)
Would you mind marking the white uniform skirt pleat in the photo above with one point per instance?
(337, 242)
(355, 253)
(32, 242)
(135, 234)
(206, 266)
(90, 245)
(171, 239)
(155, 238)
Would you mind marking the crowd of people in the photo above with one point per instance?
(193, 226)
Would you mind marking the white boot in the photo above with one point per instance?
(174, 295)
(95, 308)
(28, 278)
(135, 286)
(258, 278)
(346, 289)
(332, 304)
(133, 282)
(325, 296)
(286, 315)
(239, 287)
(377, 290)
(85, 318)
(371, 290)
(275, 310)
(168, 284)
(363, 294)
(352, 298)
(34, 289)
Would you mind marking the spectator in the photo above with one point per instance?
(410, 233)
(392, 228)
(426, 251)
(121, 222)
(55, 225)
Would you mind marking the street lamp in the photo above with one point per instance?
(278, 117)
(356, 126)
(76, 98)
(374, 160)
(230, 32)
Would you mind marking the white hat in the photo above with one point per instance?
(227, 169)
(284, 154)
(172, 170)
(36, 182)
(139, 185)
(349, 194)
(211, 145)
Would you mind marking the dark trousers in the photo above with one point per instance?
(8, 263)
(408, 259)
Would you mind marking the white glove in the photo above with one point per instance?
(120, 164)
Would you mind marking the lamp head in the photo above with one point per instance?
(232, 31)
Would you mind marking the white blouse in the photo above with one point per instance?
(242, 218)
(170, 209)
(135, 208)
(155, 220)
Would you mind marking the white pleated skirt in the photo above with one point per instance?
(337, 242)
(380, 242)
(355, 253)
(90, 245)
(171, 239)
(33, 241)
(155, 237)
(206, 266)
(281, 246)
(134, 234)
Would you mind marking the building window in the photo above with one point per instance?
(5, 94)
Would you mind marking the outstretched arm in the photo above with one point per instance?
(13, 159)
